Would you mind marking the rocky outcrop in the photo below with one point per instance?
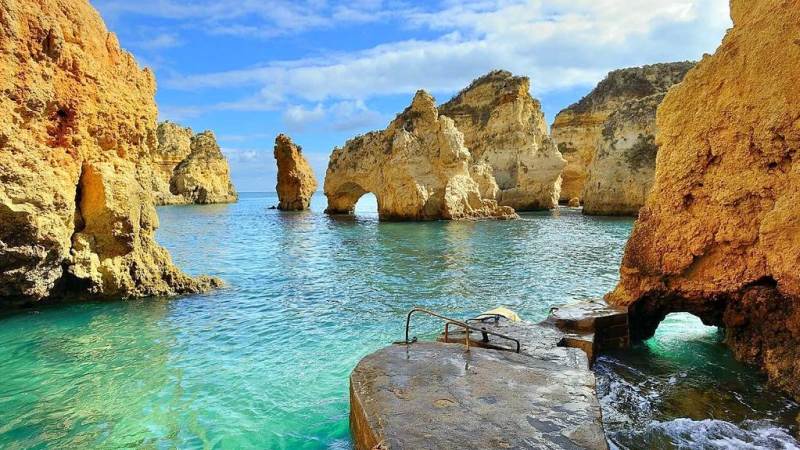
(504, 127)
(418, 169)
(578, 128)
(77, 124)
(719, 235)
(296, 181)
(621, 173)
(190, 168)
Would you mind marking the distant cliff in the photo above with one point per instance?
(296, 181)
(621, 173)
(190, 168)
(504, 128)
(77, 127)
(578, 128)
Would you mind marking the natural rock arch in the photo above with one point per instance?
(418, 169)
(721, 225)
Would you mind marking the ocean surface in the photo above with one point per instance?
(264, 362)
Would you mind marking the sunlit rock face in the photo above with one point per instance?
(578, 128)
(418, 169)
(77, 126)
(719, 235)
(621, 173)
(190, 168)
(296, 181)
(504, 128)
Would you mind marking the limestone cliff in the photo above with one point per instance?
(190, 168)
(621, 173)
(204, 176)
(77, 124)
(578, 128)
(418, 169)
(296, 182)
(504, 127)
(719, 235)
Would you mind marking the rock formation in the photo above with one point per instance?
(504, 127)
(719, 235)
(578, 128)
(77, 123)
(621, 173)
(190, 169)
(418, 169)
(296, 182)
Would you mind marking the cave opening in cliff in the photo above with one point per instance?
(647, 314)
(367, 205)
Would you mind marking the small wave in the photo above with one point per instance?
(707, 434)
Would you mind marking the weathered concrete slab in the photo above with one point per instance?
(438, 396)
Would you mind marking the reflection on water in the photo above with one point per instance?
(265, 361)
(683, 389)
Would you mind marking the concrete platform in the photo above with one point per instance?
(437, 395)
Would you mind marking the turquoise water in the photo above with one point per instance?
(265, 361)
(683, 389)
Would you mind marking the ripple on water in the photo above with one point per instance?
(265, 361)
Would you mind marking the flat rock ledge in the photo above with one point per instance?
(437, 395)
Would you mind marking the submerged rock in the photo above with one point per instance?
(719, 235)
(77, 126)
(504, 128)
(296, 181)
(621, 173)
(578, 128)
(418, 169)
(190, 168)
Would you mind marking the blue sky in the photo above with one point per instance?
(323, 71)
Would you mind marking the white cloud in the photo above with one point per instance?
(559, 43)
(159, 41)
(339, 116)
(252, 18)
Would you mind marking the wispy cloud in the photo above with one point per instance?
(254, 18)
(560, 43)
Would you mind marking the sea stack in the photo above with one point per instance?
(418, 169)
(719, 235)
(296, 181)
(504, 127)
(190, 168)
(578, 128)
(77, 126)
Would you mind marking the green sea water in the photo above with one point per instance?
(264, 362)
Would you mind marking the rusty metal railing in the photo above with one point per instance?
(467, 328)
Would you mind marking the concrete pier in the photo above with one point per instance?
(437, 395)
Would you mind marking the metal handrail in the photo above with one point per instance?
(461, 324)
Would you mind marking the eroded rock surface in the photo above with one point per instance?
(418, 169)
(621, 173)
(504, 127)
(719, 235)
(296, 181)
(77, 126)
(190, 168)
(578, 128)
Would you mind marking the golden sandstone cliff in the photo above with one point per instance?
(77, 126)
(578, 128)
(504, 127)
(190, 168)
(296, 181)
(719, 235)
(418, 169)
(621, 173)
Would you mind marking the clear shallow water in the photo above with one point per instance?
(684, 389)
(264, 362)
